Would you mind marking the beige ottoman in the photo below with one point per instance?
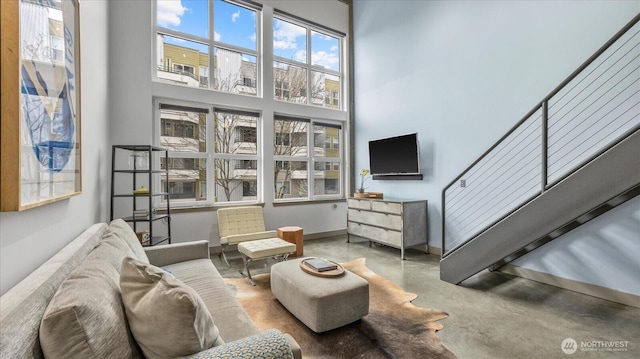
(320, 303)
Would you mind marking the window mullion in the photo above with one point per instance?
(182, 35)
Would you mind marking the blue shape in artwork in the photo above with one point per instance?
(52, 136)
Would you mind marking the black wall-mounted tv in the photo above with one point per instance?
(393, 156)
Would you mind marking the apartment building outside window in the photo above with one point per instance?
(217, 149)
(214, 149)
(307, 59)
(183, 134)
(185, 53)
(235, 155)
(300, 171)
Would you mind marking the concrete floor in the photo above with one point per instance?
(491, 315)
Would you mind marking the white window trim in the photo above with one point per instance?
(212, 45)
(183, 94)
(310, 69)
(311, 160)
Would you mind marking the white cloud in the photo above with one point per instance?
(216, 36)
(235, 16)
(334, 48)
(285, 34)
(300, 55)
(253, 37)
(169, 12)
(325, 59)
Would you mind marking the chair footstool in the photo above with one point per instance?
(263, 249)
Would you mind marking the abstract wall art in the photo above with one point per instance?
(40, 124)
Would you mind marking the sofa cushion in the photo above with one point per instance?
(113, 250)
(201, 275)
(85, 318)
(121, 229)
(167, 317)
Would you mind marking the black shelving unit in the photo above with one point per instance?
(125, 163)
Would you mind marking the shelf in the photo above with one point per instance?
(397, 177)
(148, 175)
(155, 241)
(146, 218)
(140, 148)
(139, 171)
(160, 194)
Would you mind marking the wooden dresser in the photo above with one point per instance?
(396, 223)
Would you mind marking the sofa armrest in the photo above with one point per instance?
(237, 238)
(165, 254)
(268, 344)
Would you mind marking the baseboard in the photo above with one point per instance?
(434, 250)
(576, 286)
(341, 232)
(215, 249)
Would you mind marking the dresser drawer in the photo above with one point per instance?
(359, 204)
(378, 219)
(387, 207)
(385, 236)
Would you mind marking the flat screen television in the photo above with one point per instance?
(399, 155)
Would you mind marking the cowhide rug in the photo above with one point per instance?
(394, 328)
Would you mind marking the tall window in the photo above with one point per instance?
(206, 47)
(235, 155)
(217, 149)
(308, 60)
(189, 43)
(300, 171)
(184, 135)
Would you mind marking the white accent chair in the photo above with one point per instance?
(244, 227)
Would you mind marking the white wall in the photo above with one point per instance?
(132, 92)
(29, 238)
(461, 73)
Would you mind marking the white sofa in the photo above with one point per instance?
(75, 304)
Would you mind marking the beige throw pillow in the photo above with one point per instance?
(85, 318)
(124, 231)
(167, 317)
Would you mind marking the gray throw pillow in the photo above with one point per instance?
(167, 317)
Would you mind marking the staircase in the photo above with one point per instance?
(574, 156)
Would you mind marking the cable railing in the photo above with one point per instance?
(593, 109)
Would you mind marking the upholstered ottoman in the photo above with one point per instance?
(320, 303)
(262, 249)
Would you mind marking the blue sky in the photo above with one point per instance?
(236, 25)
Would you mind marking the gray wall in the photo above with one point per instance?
(29, 238)
(461, 73)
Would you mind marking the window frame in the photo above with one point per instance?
(212, 45)
(311, 158)
(173, 155)
(327, 102)
(209, 156)
(168, 91)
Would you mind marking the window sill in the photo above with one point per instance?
(310, 201)
(215, 207)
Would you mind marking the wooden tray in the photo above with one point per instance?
(327, 274)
